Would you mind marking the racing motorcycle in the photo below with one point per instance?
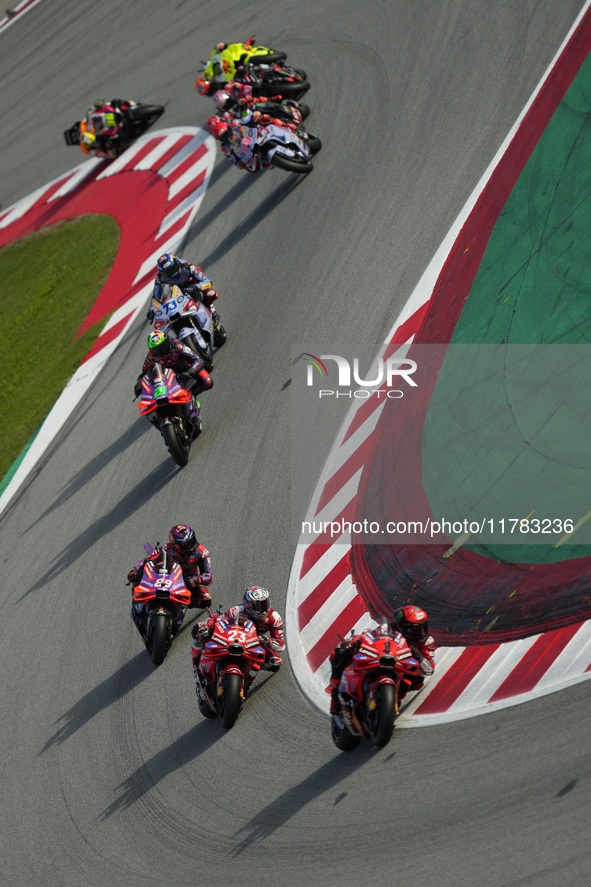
(197, 326)
(371, 688)
(225, 63)
(164, 395)
(267, 79)
(284, 109)
(230, 661)
(134, 121)
(277, 146)
(165, 597)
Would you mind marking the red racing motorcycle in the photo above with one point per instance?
(229, 663)
(165, 598)
(382, 671)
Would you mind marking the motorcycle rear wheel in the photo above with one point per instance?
(382, 719)
(286, 88)
(205, 710)
(269, 59)
(313, 142)
(177, 448)
(146, 113)
(159, 639)
(290, 164)
(231, 700)
(341, 737)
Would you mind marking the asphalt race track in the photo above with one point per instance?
(109, 775)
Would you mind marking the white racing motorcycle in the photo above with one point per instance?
(279, 146)
(197, 326)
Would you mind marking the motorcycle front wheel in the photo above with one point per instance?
(382, 718)
(177, 448)
(231, 700)
(290, 164)
(341, 737)
(146, 113)
(159, 639)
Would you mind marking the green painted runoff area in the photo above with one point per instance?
(50, 281)
(503, 438)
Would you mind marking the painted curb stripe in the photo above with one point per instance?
(467, 681)
(140, 200)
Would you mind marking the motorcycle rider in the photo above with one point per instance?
(173, 271)
(255, 607)
(223, 63)
(237, 147)
(181, 360)
(236, 102)
(194, 561)
(412, 623)
(103, 127)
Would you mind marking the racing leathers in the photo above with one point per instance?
(104, 127)
(269, 623)
(190, 279)
(180, 360)
(342, 656)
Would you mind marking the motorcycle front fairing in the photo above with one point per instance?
(283, 138)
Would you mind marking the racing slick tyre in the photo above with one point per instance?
(288, 89)
(270, 59)
(290, 164)
(146, 113)
(204, 708)
(302, 73)
(175, 445)
(159, 639)
(382, 718)
(219, 334)
(313, 143)
(231, 700)
(304, 110)
(341, 737)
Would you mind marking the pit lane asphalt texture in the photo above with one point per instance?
(109, 773)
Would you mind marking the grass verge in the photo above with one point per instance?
(50, 281)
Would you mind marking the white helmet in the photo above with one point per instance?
(220, 98)
(256, 602)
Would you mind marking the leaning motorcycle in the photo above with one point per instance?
(164, 396)
(223, 65)
(382, 671)
(287, 110)
(165, 599)
(275, 146)
(197, 326)
(135, 121)
(230, 657)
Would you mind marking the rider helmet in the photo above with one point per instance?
(256, 602)
(168, 265)
(219, 129)
(412, 622)
(87, 138)
(158, 343)
(221, 99)
(184, 538)
(202, 86)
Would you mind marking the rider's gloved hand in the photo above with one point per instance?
(150, 314)
(133, 575)
(137, 388)
(209, 296)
